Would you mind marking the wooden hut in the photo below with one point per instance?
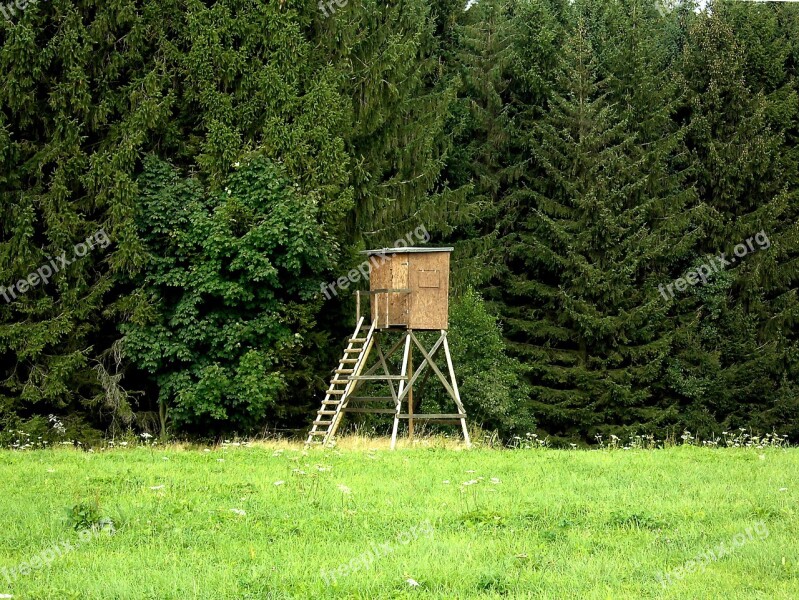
(408, 292)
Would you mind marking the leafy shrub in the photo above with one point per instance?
(228, 295)
(492, 389)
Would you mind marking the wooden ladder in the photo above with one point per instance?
(342, 384)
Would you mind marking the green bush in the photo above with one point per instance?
(229, 294)
(492, 389)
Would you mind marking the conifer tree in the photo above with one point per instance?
(401, 96)
(737, 347)
(583, 311)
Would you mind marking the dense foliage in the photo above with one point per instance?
(586, 158)
(229, 293)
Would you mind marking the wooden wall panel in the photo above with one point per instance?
(379, 278)
(429, 280)
(426, 274)
(399, 304)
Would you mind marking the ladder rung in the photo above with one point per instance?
(338, 382)
(379, 378)
(317, 422)
(326, 412)
(345, 371)
(349, 360)
(335, 392)
(357, 340)
(378, 411)
(318, 433)
(372, 398)
(353, 350)
(430, 417)
(331, 401)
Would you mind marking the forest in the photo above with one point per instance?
(181, 179)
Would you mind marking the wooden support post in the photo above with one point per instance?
(457, 396)
(401, 390)
(358, 306)
(410, 393)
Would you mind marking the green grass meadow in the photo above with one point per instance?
(273, 521)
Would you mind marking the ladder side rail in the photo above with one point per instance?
(328, 395)
(351, 384)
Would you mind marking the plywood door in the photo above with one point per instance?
(380, 279)
(429, 279)
(400, 303)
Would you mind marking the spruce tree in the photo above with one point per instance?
(582, 308)
(736, 358)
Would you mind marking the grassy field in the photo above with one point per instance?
(271, 521)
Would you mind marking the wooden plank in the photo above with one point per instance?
(395, 429)
(431, 417)
(410, 394)
(433, 364)
(458, 402)
(423, 365)
(379, 278)
(381, 359)
(399, 303)
(429, 280)
(378, 411)
(378, 378)
(370, 399)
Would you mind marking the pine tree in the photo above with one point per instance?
(401, 97)
(72, 119)
(481, 55)
(581, 305)
(737, 351)
(87, 95)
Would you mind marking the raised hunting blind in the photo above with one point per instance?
(408, 294)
